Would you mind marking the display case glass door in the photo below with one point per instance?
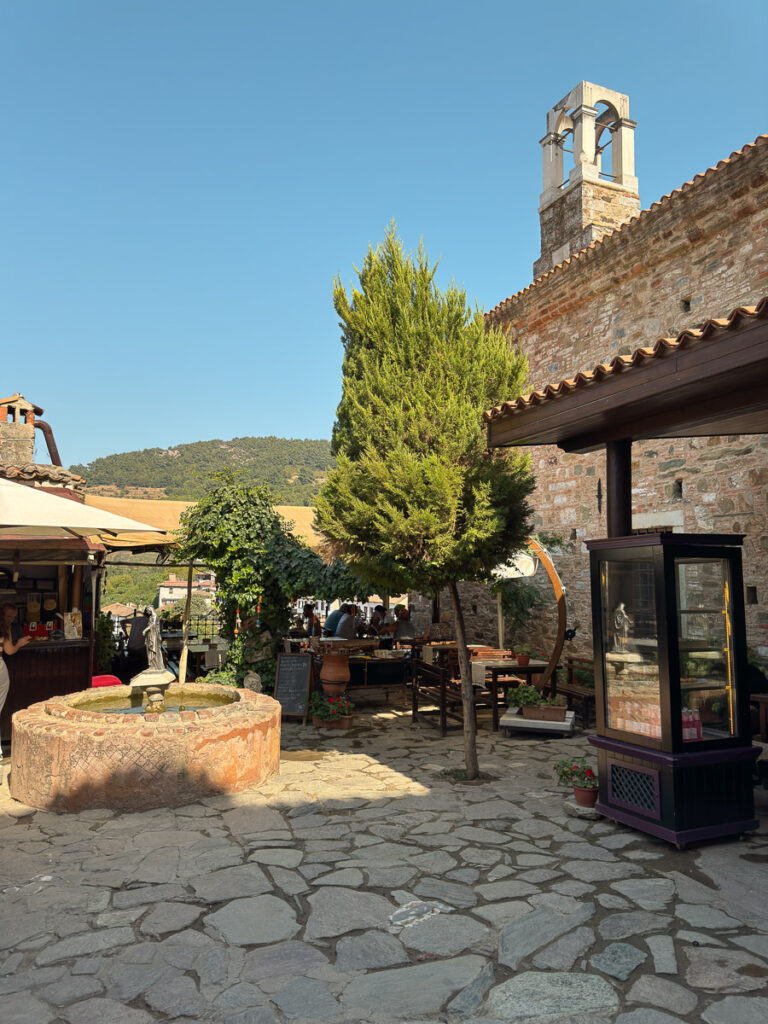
(630, 648)
(705, 645)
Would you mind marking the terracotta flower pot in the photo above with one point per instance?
(341, 722)
(585, 797)
(522, 659)
(546, 712)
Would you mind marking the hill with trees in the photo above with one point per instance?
(293, 469)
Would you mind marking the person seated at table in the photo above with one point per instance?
(345, 627)
(402, 629)
(379, 619)
(442, 630)
(332, 619)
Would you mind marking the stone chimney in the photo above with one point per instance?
(17, 430)
(598, 195)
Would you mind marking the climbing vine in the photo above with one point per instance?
(260, 567)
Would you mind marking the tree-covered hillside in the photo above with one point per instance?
(294, 469)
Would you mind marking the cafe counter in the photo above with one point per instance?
(43, 669)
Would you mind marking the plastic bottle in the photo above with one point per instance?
(697, 724)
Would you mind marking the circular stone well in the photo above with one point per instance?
(66, 756)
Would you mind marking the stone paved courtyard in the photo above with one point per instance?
(365, 885)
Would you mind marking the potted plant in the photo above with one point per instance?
(331, 712)
(523, 654)
(534, 706)
(521, 696)
(576, 773)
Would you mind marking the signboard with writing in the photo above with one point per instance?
(293, 681)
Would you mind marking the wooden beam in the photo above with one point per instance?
(618, 474)
(676, 394)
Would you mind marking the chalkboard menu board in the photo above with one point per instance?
(292, 683)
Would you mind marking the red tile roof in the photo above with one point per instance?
(622, 364)
(34, 472)
(498, 311)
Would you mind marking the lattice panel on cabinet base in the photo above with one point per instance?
(635, 788)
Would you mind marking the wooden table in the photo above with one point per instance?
(497, 667)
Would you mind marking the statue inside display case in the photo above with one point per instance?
(621, 627)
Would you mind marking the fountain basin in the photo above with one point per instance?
(66, 755)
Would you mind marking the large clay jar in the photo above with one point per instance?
(334, 674)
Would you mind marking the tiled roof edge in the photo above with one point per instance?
(495, 313)
(36, 471)
(620, 364)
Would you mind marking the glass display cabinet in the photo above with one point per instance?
(673, 730)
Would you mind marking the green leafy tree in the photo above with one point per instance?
(175, 612)
(260, 566)
(128, 584)
(417, 501)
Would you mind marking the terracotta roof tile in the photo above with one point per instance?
(625, 364)
(35, 472)
(498, 311)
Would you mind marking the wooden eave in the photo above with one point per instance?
(711, 385)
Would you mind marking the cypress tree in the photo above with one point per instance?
(417, 501)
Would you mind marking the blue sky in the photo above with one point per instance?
(182, 180)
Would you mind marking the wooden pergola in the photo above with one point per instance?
(709, 381)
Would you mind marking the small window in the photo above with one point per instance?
(685, 304)
(751, 595)
(678, 489)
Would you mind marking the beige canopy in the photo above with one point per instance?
(27, 511)
(165, 515)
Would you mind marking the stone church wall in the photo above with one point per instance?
(694, 255)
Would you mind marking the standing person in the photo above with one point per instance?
(311, 621)
(9, 646)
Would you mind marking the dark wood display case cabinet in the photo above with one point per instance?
(674, 744)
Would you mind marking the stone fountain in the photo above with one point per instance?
(103, 748)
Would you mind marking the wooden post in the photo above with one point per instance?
(557, 585)
(500, 615)
(185, 627)
(618, 473)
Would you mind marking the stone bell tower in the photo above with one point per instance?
(596, 196)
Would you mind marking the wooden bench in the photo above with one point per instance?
(580, 698)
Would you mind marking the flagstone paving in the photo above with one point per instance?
(364, 885)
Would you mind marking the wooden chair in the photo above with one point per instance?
(435, 686)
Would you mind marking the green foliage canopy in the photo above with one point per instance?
(260, 566)
(416, 500)
(132, 585)
(175, 612)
